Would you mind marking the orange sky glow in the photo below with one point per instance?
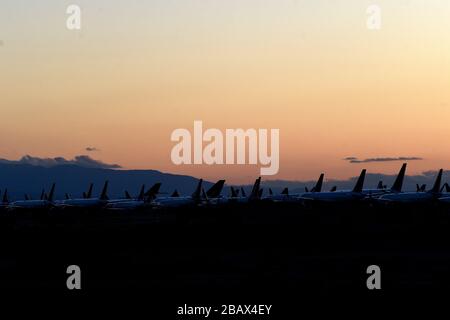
(138, 70)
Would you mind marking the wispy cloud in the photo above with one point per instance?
(81, 160)
(380, 159)
(92, 149)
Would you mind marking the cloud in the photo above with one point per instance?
(381, 159)
(81, 160)
(88, 162)
(91, 149)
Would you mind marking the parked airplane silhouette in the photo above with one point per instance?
(338, 196)
(143, 200)
(284, 196)
(255, 195)
(318, 186)
(35, 204)
(87, 201)
(213, 196)
(420, 188)
(128, 197)
(175, 194)
(445, 197)
(5, 201)
(215, 190)
(382, 189)
(415, 197)
(88, 194)
(173, 202)
(234, 193)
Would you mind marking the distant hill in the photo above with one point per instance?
(73, 179)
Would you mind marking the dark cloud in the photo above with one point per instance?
(81, 160)
(92, 149)
(86, 161)
(381, 159)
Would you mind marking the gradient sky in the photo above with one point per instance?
(139, 69)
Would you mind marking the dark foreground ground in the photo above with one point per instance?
(262, 254)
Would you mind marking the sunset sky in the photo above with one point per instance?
(137, 70)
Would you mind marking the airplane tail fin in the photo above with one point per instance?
(333, 189)
(141, 193)
(175, 194)
(398, 183)
(103, 195)
(437, 184)
(260, 193)
(306, 189)
(380, 185)
(417, 187)
(270, 191)
(204, 195)
(52, 193)
(89, 193)
(127, 195)
(447, 188)
(243, 192)
(360, 183)
(216, 189)
(154, 190)
(5, 196)
(198, 190)
(285, 191)
(255, 191)
(233, 192)
(318, 186)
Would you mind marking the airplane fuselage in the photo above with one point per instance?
(408, 197)
(445, 199)
(336, 196)
(83, 203)
(31, 204)
(174, 202)
(128, 205)
(282, 198)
